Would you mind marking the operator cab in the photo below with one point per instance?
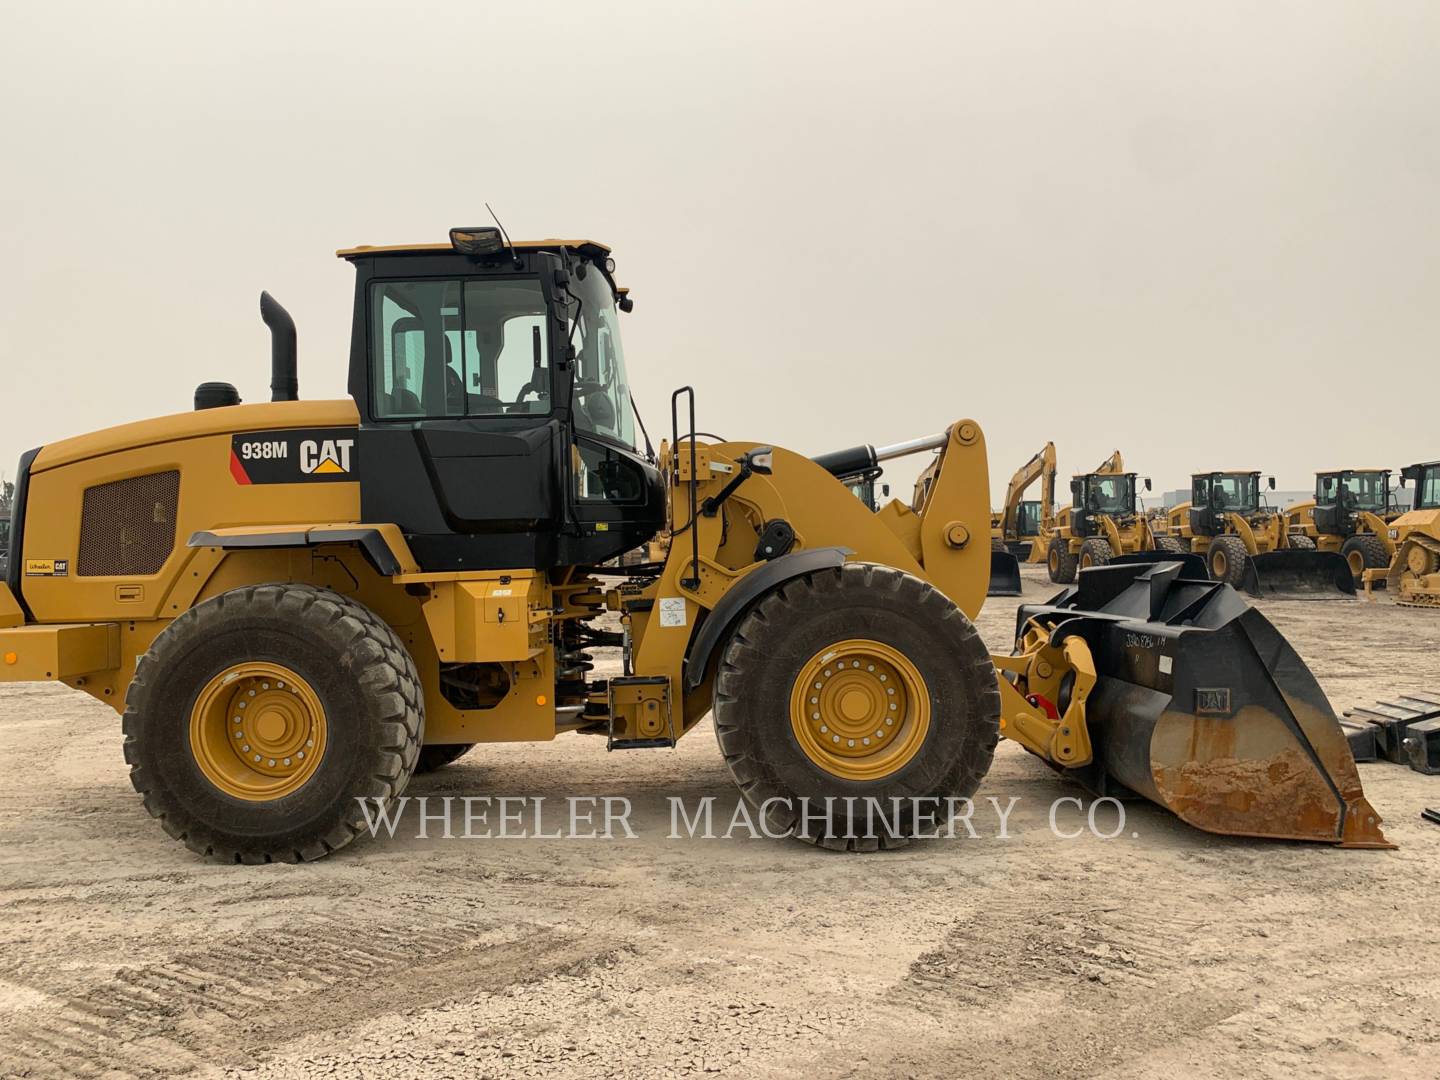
(1095, 495)
(1340, 495)
(1215, 494)
(1427, 484)
(496, 424)
(1027, 518)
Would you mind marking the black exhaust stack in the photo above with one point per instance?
(284, 374)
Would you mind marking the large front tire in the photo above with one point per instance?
(861, 683)
(1226, 560)
(1364, 551)
(259, 720)
(1095, 552)
(1059, 562)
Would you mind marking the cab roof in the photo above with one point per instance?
(589, 248)
(1332, 472)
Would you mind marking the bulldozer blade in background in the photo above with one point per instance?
(1191, 566)
(1004, 574)
(1299, 575)
(1201, 706)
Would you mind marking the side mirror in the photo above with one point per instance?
(1147, 484)
(1272, 483)
(885, 490)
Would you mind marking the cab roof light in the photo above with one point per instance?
(485, 240)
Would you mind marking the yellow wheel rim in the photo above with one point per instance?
(860, 709)
(1218, 563)
(1086, 561)
(1357, 563)
(1054, 562)
(257, 731)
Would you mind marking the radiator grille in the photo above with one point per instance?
(128, 527)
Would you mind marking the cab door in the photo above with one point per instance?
(1202, 515)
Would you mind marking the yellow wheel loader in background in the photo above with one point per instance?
(1017, 527)
(1249, 545)
(1350, 515)
(292, 602)
(1103, 524)
(1413, 576)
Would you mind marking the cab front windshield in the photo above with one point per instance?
(1427, 496)
(602, 389)
(1357, 490)
(1110, 495)
(1236, 491)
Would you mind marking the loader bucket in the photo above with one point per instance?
(1004, 574)
(1299, 575)
(1201, 706)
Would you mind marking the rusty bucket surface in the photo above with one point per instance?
(1202, 706)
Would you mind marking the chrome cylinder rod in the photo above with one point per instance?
(912, 446)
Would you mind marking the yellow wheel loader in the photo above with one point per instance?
(1103, 524)
(1350, 515)
(1413, 576)
(1249, 545)
(296, 604)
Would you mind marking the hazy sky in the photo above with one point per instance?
(1206, 234)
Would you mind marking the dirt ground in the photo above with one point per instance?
(1161, 952)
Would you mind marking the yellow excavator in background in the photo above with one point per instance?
(1248, 544)
(1413, 576)
(298, 604)
(1350, 514)
(1018, 526)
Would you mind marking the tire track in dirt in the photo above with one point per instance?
(227, 1003)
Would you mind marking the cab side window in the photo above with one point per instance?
(458, 349)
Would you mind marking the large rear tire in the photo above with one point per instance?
(1095, 552)
(1059, 562)
(1226, 560)
(861, 683)
(1364, 551)
(259, 720)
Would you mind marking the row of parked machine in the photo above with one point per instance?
(1361, 528)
